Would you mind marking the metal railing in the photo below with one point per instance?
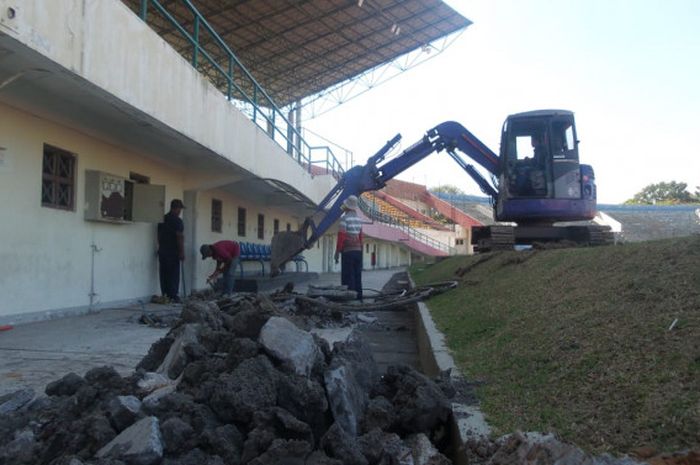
(376, 215)
(228, 74)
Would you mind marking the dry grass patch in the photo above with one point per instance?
(577, 341)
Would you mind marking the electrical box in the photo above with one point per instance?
(114, 199)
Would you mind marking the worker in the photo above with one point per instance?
(227, 255)
(171, 251)
(349, 245)
(539, 150)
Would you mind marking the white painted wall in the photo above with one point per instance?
(387, 254)
(45, 253)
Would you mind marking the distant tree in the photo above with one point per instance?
(664, 193)
(448, 189)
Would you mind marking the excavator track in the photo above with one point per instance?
(498, 237)
(493, 238)
(600, 235)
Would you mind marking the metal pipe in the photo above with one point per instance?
(92, 293)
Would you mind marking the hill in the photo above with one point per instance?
(600, 345)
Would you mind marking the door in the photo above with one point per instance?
(148, 203)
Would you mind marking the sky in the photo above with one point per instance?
(628, 69)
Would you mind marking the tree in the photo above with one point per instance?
(664, 193)
(448, 189)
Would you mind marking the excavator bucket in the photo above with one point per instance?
(285, 246)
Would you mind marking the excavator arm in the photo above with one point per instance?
(449, 136)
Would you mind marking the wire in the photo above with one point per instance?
(382, 302)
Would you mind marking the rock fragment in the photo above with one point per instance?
(290, 345)
(123, 411)
(66, 386)
(139, 444)
(16, 400)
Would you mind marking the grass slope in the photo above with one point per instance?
(577, 341)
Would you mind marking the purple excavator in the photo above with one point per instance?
(536, 181)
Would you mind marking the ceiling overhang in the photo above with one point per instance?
(295, 49)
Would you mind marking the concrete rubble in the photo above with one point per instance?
(240, 381)
(259, 380)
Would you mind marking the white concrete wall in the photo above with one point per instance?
(45, 253)
(229, 230)
(388, 254)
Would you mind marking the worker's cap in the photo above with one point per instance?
(205, 250)
(350, 203)
(176, 203)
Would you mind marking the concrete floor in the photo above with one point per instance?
(34, 354)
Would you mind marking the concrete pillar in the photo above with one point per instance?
(189, 218)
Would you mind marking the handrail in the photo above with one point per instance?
(259, 107)
(392, 221)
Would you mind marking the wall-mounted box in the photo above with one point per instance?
(114, 199)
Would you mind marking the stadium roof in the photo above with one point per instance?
(296, 48)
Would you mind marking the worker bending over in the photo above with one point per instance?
(349, 245)
(227, 255)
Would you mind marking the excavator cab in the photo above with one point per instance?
(540, 163)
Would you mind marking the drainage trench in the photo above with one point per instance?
(407, 336)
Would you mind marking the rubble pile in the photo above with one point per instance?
(235, 382)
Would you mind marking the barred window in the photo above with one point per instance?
(58, 179)
(216, 215)
(261, 226)
(241, 222)
(276, 226)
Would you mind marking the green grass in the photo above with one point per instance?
(576, 341)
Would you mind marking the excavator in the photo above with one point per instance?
(536, 181)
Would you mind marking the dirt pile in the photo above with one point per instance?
(236, 382)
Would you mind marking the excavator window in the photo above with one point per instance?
(528, 158)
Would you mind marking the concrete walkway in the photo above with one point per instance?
(34, 354)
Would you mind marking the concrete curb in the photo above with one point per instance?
(468, 422)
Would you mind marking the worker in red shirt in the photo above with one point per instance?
(227, 255)
(349, 246)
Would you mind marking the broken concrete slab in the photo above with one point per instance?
(151, 381)
(16, 400)
(331, 292)
(290, 345)
(333, 335)
(176, 359)
(346, 398)
(66, 386)
(123, 411)
(139, 444)
(152, 400)
(337, 443)
(424, 452)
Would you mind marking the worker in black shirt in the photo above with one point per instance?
(171, 250)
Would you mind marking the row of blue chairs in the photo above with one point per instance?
(262, 253)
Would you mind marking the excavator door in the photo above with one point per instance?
(540, 153)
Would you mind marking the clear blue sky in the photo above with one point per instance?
(630, 70)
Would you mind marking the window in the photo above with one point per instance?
(58, 179)
(289, 227)
(367, 248)
(241, 222)
(276, 226)
(134, 178)
(216, 215)
(261, 226)
(459, 241)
